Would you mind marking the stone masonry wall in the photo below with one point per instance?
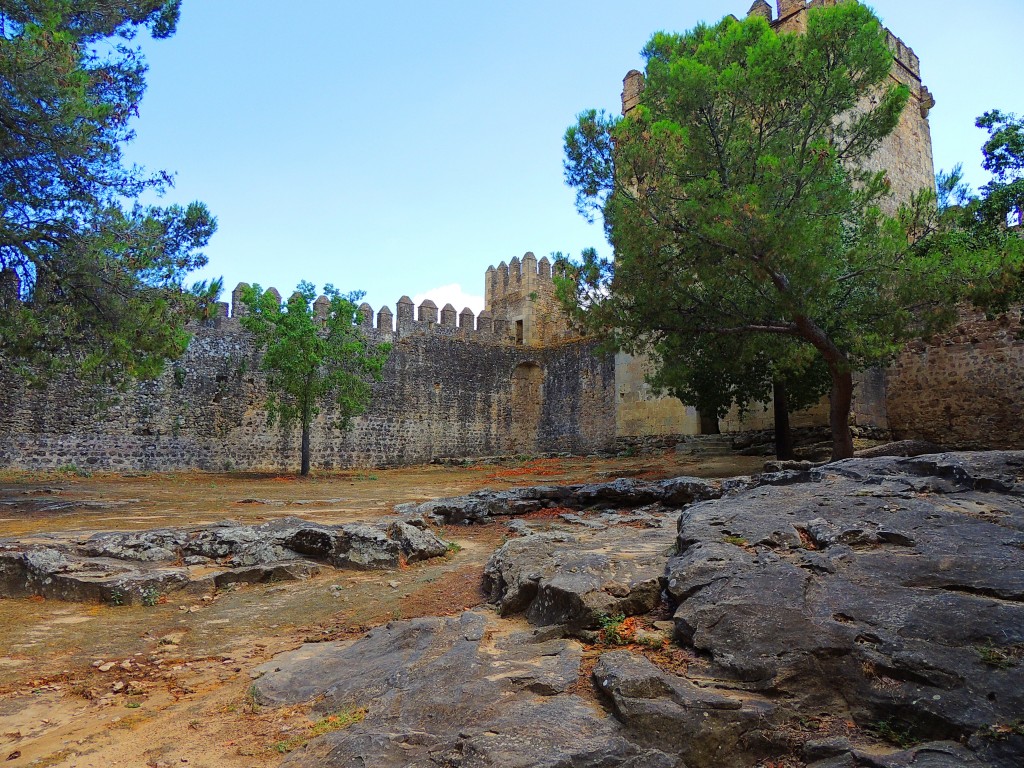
(443, 394)
(964, 389)
(520, 297)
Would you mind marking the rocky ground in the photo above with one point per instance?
(864, 613)
(142, 567)
(96, 684)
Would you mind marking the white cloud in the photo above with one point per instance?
(451, 294)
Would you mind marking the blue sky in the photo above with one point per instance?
(398, 147)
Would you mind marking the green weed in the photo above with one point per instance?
(251, 702)
(1001, 732)
(72, 469)
(328, 724)
(617, 629)
(1000, 658)
(896, 733)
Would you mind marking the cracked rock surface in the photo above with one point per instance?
(470, 691)
(137, 566)
(577, 579)
(864, 614)
(891, 587)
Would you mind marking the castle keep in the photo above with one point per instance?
(513, 380)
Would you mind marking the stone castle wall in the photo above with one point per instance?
(448, 390)
(964, 389)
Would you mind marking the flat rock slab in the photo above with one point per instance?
(468, 691)
(579, 578)
(482, 506)
(140, 566)
(892, 588)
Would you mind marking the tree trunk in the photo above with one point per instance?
(839, 412)
(709, 424)
(783, 434)
(842, 386)
(305, 448)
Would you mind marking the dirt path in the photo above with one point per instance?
(96, 685)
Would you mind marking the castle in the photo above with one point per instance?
(514, 380)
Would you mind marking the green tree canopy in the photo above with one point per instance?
(90, 277)
(985, 229)
(1004, 159)
(313, 360)
(735, 199)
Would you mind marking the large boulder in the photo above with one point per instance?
(579, 579)
(891, 589)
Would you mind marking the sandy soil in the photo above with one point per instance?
(86, 686)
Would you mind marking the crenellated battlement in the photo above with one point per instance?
(520, 307)
(792, 17)
(509, 280)
(904, 55)
(521, 296)
(406, 319)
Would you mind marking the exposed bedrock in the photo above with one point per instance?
(468, 691)
(889, 588)
(482, 506)
(578, 579)
(865, 614)
(139, 566)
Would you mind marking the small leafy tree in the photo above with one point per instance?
(313, 361)
(983, 230)
(89, 279)
(736, 198)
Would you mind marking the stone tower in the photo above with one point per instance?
(906, 154)
(520, 297)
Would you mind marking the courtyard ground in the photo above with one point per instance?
(86, 686)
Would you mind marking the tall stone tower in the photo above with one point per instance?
(907, 152)
(520, 297)
(906, 155)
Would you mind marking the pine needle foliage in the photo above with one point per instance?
(91, 280)
(743, 220)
